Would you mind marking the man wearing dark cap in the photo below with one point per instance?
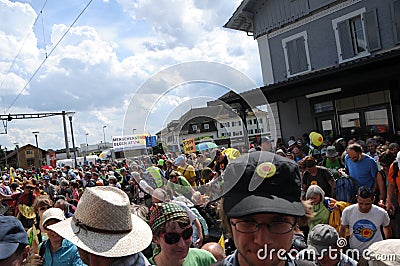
(323, 248)
(260, 208)
(266, 143)
(14, 244)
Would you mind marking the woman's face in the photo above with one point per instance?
(53, 236)
(178, 250)
(42, 209)
(315, 199)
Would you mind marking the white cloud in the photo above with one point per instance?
(96, 68)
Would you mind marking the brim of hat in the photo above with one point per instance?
(331, 155)
(106, 245)
(252, 204)
(7, 249)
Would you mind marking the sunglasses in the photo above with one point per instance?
(173, 238)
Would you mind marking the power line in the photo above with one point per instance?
(51, 51)
(22, 46)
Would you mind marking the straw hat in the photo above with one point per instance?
(103, 224)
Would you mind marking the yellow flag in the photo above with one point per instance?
(221, 241)
(11, 175)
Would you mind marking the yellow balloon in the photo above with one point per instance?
(312, 134)
(317, 139)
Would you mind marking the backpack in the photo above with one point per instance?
(149, 179)
(346, 189)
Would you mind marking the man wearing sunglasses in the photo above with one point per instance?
(364, 220)
(261, 207)
(172, 233)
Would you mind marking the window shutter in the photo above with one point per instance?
(292, 58)
(346, 45)
(396, 20)
(297, 57)
(301, 52)
(372, 30)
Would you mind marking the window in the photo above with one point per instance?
(250, 131)
(249, 122)
(297, 57)
(206, 126)
(377, 121)
(356, 34)
(30, 161)
(323, 107)
(255, 121)
(222, 125)
(260, 120)
(194, 127)
(29, 152)
(239, 123)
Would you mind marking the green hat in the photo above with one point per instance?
(164, 212)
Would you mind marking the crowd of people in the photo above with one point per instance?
(276, 204)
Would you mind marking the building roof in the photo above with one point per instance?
(242, 18)
(339, 77)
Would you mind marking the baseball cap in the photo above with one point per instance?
(266, 139)
(53, 213)
(291, 142)
(178, 160)
(12, 233)
(322, 236)
(260, 182)
(46, 177)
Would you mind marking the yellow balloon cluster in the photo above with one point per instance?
(316, 139)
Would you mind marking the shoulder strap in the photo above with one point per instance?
(42, 248)
(396, 171)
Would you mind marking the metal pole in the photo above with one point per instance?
(6, 157)
(104, 136)
(73, 140)
(16, 145)
(37, 146)
(86, 150)
(65, 135)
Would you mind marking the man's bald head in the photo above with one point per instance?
(215, 249)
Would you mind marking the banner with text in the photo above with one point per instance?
(189, 146)
(129, 142)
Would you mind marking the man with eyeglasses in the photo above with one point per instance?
(364, 220)
(261, 207)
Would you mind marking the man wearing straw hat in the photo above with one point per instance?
(104, 230)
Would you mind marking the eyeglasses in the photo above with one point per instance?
(248, 227)
(44, 208)
(173, 238)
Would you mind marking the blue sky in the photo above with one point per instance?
(114, 47)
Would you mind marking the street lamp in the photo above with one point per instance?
(86, 150)
(6, 155)
(70, 115)
(16, 145)
(36, 133)
(133, 130)
(104, 135)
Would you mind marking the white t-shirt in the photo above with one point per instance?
(364, 227)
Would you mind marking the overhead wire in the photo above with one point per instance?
(51, 51)
(22, 46)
